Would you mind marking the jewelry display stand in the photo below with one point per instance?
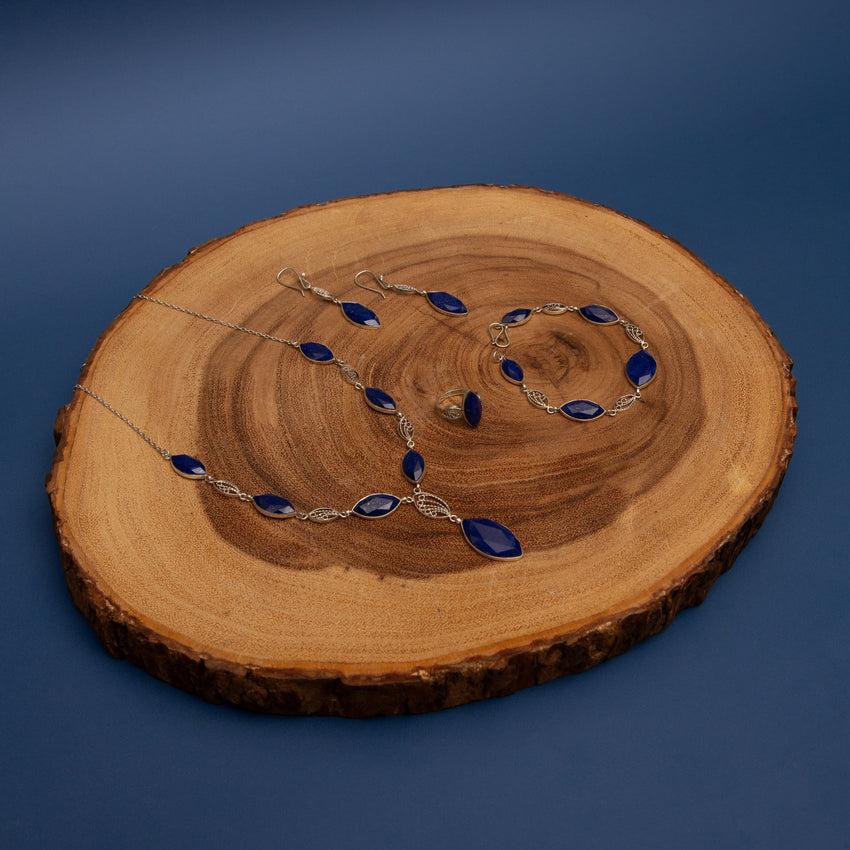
(623, 520)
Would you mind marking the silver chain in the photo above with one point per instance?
(123, 418)
(347, 372)
(221, 322)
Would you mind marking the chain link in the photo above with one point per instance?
(164, 452)
(227, 488)
(221, 322)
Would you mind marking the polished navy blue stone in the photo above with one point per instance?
(446, 303)
(188, 467)
(582, 410)
(491, 539)
(516, 317)
(413, 466)
(273, 506)
(512, 371)
(641, 368)
(379, 400)
(360, 315)
(377, 505)
(598, 314)
(316, 352)
(471, 408)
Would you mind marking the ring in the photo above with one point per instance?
(469, 408)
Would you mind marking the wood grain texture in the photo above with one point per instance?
(624, 521)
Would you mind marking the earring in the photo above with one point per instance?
(469, 408)
(356, 313)
(443, 302)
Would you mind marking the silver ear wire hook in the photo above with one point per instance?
(356, 313)
(305, 285)
(378, 278)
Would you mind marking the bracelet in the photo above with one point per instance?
(641, 367)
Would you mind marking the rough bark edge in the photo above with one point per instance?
(282, 691)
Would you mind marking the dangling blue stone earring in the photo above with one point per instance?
(357, 314)
(443, 302)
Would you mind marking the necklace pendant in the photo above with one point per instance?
(491, 539)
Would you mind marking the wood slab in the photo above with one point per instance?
(624, 521)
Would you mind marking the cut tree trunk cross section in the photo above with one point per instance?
(623, 520)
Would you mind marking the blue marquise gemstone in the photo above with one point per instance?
(516, 317)
(641, 368)
(598, 314)
(491, 539)
(376, 506)
(582, 410)
(316, 352)
(413, 466)
(273, 506)
(379, 400)
(188, 467)
(512, 371)
(360, 315)
(446, 303)
(471, 408)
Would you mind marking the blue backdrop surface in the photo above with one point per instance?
(131, 132)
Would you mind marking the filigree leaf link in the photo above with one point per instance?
(635, 333)
(405, 428)
(226, 487)
(537, 398)
(431, 506)
(323, 515)
(624, 402)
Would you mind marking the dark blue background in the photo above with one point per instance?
(133, 131)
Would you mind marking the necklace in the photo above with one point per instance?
(641, 367)
(487, 537)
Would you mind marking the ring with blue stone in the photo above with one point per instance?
(469, 408)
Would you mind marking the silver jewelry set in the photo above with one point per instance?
(487, 537)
